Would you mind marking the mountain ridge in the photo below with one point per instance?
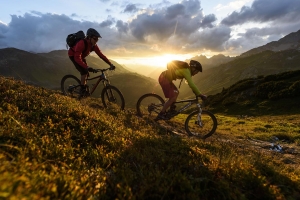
(290, 41)
(213, 80)
(47, 69)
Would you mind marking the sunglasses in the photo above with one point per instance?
(95, 38)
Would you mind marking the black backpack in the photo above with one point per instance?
(73, 38)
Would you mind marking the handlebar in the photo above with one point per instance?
(198, 97)
(101, 70)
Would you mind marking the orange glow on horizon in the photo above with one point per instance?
(155, 61)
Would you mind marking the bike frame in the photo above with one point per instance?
(190, 103)
(100, 78)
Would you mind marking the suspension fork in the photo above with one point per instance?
(199, 108)
(109, 92)
(199, 121)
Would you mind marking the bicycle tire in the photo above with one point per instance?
(66, 86)
(111, 95)
(149, 104)
(209, 124)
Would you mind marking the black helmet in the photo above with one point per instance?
(92, 32)
(196, 64)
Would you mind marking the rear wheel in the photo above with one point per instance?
(202, 126)
(70, 86)
(111, 96)
(149, 105)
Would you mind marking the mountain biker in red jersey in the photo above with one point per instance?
(80, 51)
(170, 90)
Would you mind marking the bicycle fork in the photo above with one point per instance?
(199, 121)
(110, 95)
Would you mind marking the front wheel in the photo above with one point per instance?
(111, 96)
(149, 105)
(70, 86)
(201, 125)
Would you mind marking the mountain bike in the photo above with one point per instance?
(200, 123)
(110, 95)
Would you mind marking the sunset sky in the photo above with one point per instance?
(135, 32)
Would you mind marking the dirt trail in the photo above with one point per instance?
(285, 152)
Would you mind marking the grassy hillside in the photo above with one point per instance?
(273, 94)
(54, 147)
(133, 86)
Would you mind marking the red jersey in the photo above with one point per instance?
(79, 55)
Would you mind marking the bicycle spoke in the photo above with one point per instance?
(202, 126)
(149, 105)
(70, 86)
(112, 97)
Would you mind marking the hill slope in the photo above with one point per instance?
(47, 70)
(53, 147)
(213, 81)
(288, 42)
(273, 94)
(219, 71)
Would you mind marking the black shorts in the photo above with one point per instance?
(82, 70)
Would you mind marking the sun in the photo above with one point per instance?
(161, 61)
(151, 61)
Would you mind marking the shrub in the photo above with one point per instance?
(269, 89)
(295, 89)
(242, 86)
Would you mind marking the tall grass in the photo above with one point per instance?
(55, 147)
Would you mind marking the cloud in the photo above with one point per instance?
(181, 20)
(131, 8)
(39, 32)
(107, 22)
(255, 37)
(169, 28)
(209, 39)
(233, 5)
(174, 11)
(122, 27)
(208, 21)
(3, 31)
(214, 38)
(272, 19)
(43, 32)
(265, 11)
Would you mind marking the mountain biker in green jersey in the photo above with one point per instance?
(179, 70)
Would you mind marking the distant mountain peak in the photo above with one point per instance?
(213, 61)
(290, 41)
